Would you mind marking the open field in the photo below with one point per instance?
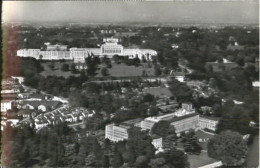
(117, 70)
(122, 70)
(200, 160)
(158, 91)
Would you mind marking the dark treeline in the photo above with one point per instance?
(56, 147)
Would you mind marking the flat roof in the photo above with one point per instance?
(210, 117)
(183, 117)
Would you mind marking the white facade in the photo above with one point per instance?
(79, 54)
(42, 108)
(116, 133)
(256, 84)
(180, 78)
(148, 122)
(35, 53)
(109, 48)
(44, 55)
(185, 124)
(208, 123)
(6, 105)
(157, 143)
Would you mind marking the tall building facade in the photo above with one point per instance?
(185, 123)
(208, 122)
(116, 133)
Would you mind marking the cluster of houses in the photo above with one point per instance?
(65, 113)
(10, 87)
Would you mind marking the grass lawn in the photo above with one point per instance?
(117, 70)
(200, 160)
(57, 70)
(122, 70)
(160, 92)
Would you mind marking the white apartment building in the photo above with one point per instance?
(185, 123)
(116, 133)
(148, 122)
(44, 55)
(208, 122)
(35, 53)
(6, 105)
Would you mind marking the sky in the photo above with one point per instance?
(245, 12)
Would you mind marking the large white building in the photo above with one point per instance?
(6, 105)
(186, 109)
(185, 123)
(183, 120)
(78, 55)
(44, 55)
(116, 133)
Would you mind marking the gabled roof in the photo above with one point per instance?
(36, 95)
(44, 103)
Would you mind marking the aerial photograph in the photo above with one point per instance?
(130, 84)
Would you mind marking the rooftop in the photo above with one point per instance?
(132, 122)
(210, 117)
(45, 103)
(183, 117)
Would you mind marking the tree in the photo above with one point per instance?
(166, 71)
(93, 88)
(140, 142)
(116, 59)
(136, 61)
(157, 71)
(158, 162)
(104, 71)
(117, 160)
(229, 147)
(141, 161)
(148, 97)
(191, 143)
(76, 99)
(169, 142)
(181, 91)
(162, 128)
(65, 67)
(52, 66)
(174, 158)
(73, 68)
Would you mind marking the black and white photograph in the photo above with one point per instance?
(130, 84)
